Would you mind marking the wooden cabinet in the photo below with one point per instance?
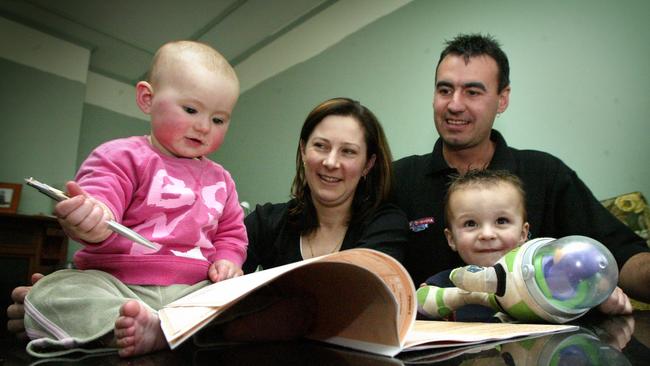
(28, 244)
(37, 241)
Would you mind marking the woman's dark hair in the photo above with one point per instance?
(371, 192)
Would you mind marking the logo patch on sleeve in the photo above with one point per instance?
(420, 224)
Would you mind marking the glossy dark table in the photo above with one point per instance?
(601, 340)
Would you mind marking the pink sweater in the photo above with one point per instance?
(187, 207)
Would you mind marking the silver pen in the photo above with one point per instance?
(116, 227)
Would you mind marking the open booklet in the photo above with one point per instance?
(365, 300)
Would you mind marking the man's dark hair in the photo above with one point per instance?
(473, 45)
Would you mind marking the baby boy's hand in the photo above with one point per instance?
(222, 270)
(83, 217)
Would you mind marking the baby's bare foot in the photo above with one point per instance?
(137, 330)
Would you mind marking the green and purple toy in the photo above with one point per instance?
(543, 280)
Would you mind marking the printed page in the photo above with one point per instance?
(433, 334)
(183, 317)
(394, 276)
(429, 356)
(179, 323)
(354, 308)
(355, 305)
(225, 292)
(358, 295)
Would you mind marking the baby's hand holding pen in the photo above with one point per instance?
(78, 224)
(83, 217)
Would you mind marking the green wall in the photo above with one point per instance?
(40, 129)
(47, 131)
(580, 88)
(100, 125)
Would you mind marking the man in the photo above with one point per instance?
(472, 87)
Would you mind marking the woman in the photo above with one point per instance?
(339, 201)
(339, 194)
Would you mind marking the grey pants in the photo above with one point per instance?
(70, 310)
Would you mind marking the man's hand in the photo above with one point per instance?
(617, 304)
(16, 311)
(222, 270)
(635, 276)
(615, 331)
(83, 217)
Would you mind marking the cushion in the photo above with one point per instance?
(633, 210)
